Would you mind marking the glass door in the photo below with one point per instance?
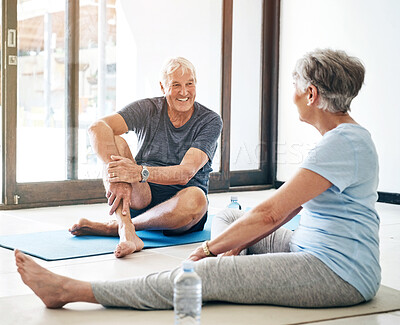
(56, 43)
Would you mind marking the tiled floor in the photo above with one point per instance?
(108, 267)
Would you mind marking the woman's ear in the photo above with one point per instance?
(312, 94)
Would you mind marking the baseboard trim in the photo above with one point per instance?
(392, 198)
(384, 197)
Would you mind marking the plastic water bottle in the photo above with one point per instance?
(187, 296)
(234, 203)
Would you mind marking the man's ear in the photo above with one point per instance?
(312, 94)
(162, 88)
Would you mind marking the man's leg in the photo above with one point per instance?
(122, 226)
(177, 215)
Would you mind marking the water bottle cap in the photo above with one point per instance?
(234, 198)
(188, 265)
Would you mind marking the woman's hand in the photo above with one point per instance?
(232, 252)
(197, 254)
(122, 169)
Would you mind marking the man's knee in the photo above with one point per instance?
(139, 203)
(193, 205)
(195, 199)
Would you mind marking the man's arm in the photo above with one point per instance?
(124, 170)
(181, 174)
(102, 133)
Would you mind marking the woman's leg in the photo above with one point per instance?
(285, 279)
(223, 220)
(54, 290)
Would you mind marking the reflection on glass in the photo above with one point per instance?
(97, 75)
(41, 94)
(246, 85)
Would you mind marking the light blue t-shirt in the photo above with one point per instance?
(340, 226)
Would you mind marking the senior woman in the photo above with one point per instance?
(332, 259)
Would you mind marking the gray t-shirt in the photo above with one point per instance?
(162, 144)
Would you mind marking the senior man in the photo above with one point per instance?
(165, 186)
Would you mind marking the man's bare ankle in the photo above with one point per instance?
(111, 229)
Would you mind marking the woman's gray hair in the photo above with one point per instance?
(337, 76)
(173, 64)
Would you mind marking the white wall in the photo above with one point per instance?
(368, 29)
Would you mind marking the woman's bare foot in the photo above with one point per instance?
(129, 241)
(87, 227)
(53, 289)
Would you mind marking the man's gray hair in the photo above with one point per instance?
(173, 64)
(337, 76)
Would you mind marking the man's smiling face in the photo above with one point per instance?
(180, 90)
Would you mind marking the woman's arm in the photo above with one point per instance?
(268, 215)
(236, 251)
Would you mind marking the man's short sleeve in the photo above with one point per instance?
(206, 139)
(138, 114)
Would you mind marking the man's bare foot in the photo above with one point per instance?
(53, 289)
(87, 227)
(129, 241)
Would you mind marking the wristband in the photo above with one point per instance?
(206, 250)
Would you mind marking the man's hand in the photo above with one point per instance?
(118, 192)
(122, 169)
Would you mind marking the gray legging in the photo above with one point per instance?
(266, 273)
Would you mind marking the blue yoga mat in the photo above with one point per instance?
(61, 245)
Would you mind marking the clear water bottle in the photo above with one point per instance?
(234, 203)
(187, 296)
